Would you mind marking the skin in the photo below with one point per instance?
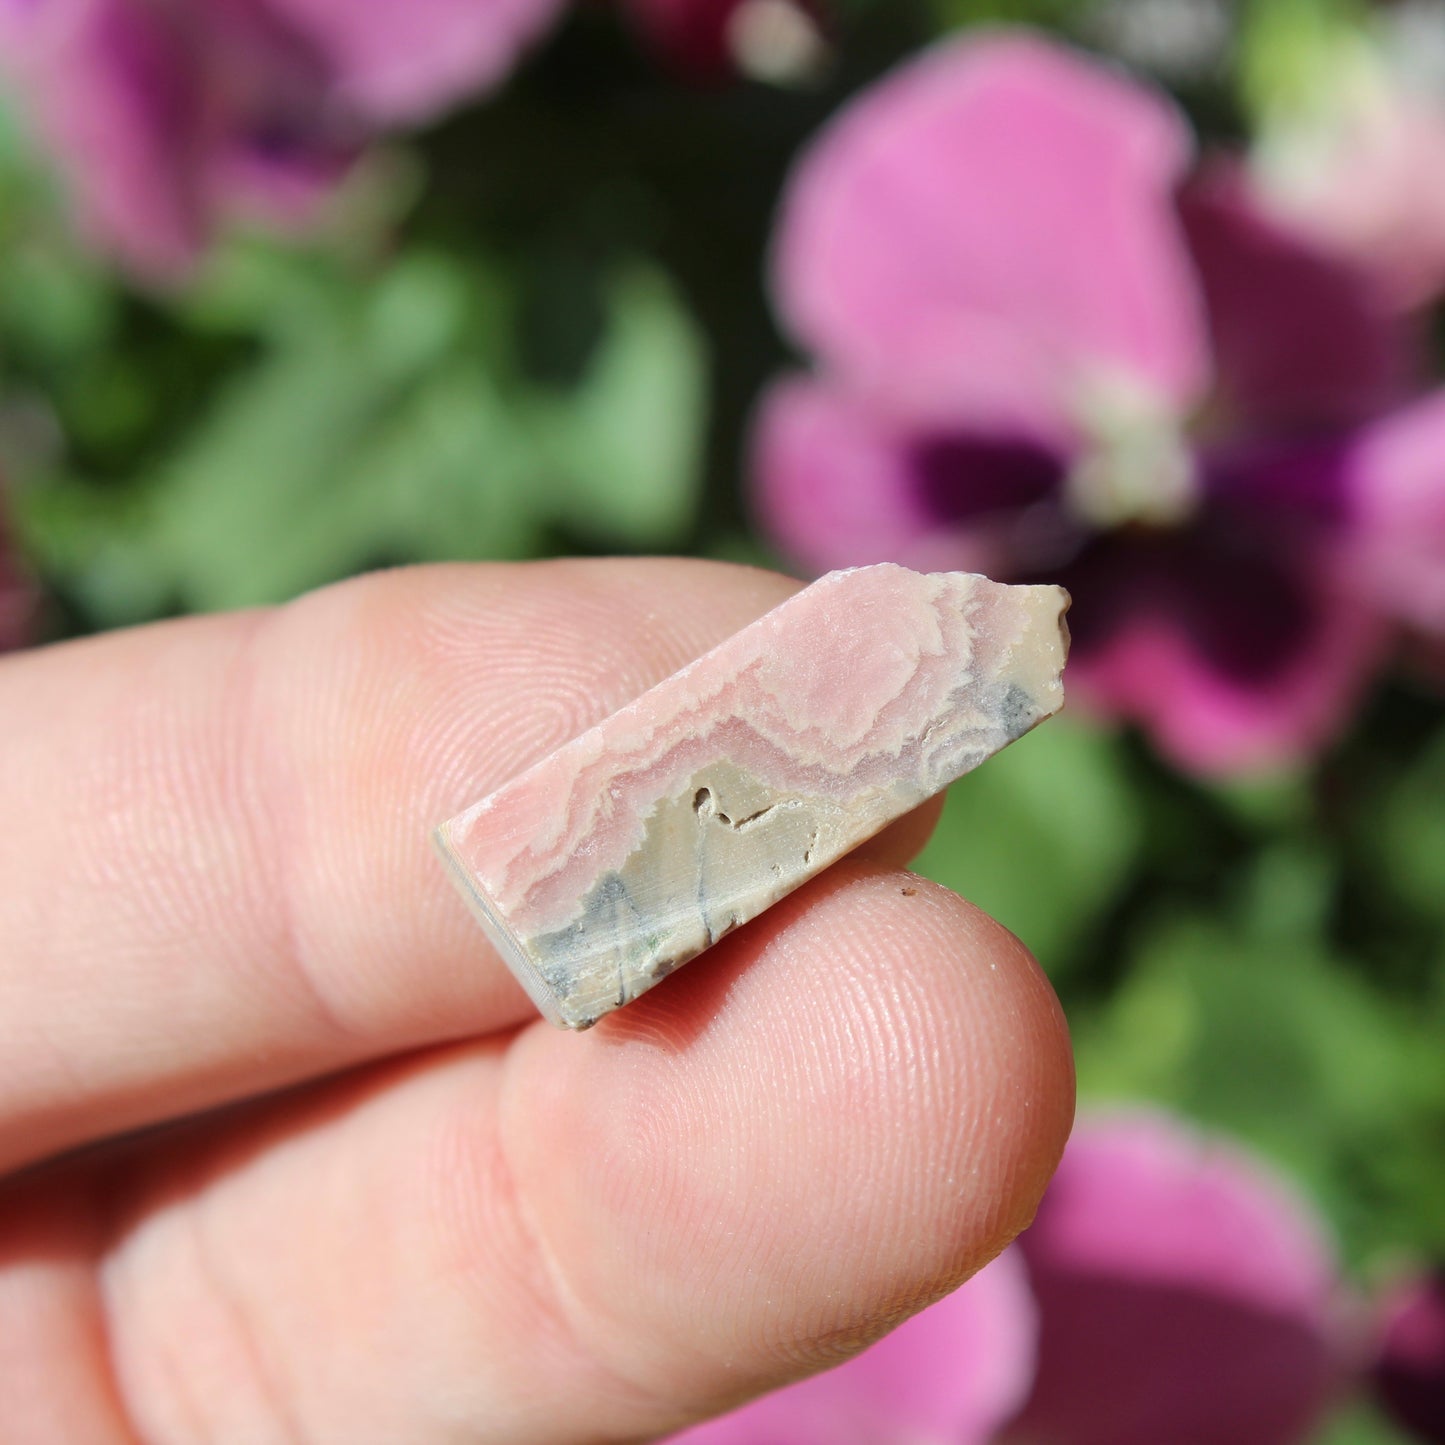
(285, 1155)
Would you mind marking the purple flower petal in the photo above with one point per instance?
(834, 486)
(1288, 488)
(989, 228)
(948, 1376)
(1239, 640)
(839, 485)
(1232, 650)
(168, 118)
(406, 60)
(1302, 338)
(276, 174)
(109, 92)
(964, 475)
(1185, 1295)
(1409, 1373)
(272, 144)
(1397, 486)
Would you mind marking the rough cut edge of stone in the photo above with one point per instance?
(508, 945)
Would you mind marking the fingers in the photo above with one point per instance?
(743, 1177)
(215, 876)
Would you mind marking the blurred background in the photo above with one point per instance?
(1140, 295)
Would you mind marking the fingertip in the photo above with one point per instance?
(832, 1120)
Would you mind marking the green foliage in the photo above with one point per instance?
(1043, 837)
(1295, 57)
(1407, 838)
(1361, 1425)
(1052, 13)
(1254, 1025)
(622, 449)
(381, 423)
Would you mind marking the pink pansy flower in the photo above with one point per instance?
(949, 1376)
(1172, 1289)
(1396, 478)
(1046, 350)
(169, 116)
(405, 60)
(1185, 1294)
(163, 117)
(1409, 1373)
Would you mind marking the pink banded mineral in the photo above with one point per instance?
(635, 846)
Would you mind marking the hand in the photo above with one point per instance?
(387, 1204)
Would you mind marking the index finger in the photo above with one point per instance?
(216, 879)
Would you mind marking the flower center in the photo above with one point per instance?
(1136, 465)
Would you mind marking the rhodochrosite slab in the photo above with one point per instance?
(631, 849)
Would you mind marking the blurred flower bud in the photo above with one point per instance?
(1409, 1372)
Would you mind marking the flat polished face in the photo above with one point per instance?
(640, 843)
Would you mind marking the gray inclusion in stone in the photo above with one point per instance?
(714, 855)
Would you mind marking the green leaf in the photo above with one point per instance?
(55, 303)
(1361, 1424)
(386, 424)
(1053, 14)
(1297, 59)
(1270, 1033)
(624, 449)
(1409, 835)
(362, 433)
(1043, 836)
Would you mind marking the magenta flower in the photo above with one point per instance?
(1174, 1290)
(1185, 1294)
(1044, 354)
(162, 118)
(1410, 1371)
(949, 1376)
(170, 116)
(1396, 482)
(405, 60)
